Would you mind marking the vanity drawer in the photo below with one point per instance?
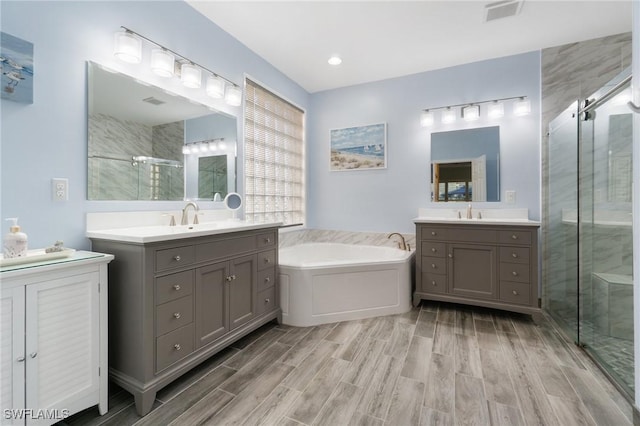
(514, 237)
(434, 283)
(174, 286)
(433, 233)
(266, 301)
(268, 239)
(473, 235)
(513, 292)
(266, 259)
(434, 265)
(174, 346)
(266, 278)
(434, 249)
(174, 314)
(514, 254)
(226, 247)
(514, 272)
(174, 257)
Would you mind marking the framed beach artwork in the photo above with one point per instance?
(359, 148)
(16, 62)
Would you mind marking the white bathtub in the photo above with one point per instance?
(327, 282)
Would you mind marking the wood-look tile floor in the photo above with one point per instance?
(439, 364)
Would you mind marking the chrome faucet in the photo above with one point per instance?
(469, 212)
(185, 213)
(402, 244)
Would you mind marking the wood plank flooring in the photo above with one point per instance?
(439, 364)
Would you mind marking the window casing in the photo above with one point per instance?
(273, 158)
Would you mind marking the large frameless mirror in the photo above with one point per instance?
(145, 143)
(465, 165)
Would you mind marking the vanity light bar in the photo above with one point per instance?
(471, 111)
(204, 146)
(128, 47)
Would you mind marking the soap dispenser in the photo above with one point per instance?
(15, 242)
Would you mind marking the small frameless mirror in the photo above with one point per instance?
(233, 202)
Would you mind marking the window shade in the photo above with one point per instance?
(273, 158)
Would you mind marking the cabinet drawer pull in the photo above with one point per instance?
(233, 277)
(514, 255)
(433, 283)
(267, 240)
(228, 278)
(20, 359)
(514, 237)
(451, 255)
(267, 300)
(514, 273)
(267, 279)
(433, 265)
(176, 287)
(33, 354)
(515, 292)
(267, 260)
(434, 233)
(177, 347)
(433, 250)
(176, 315)
(177, 258)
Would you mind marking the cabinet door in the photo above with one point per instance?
(243, 290)
(12, 351)
(212, 315)
(62, 342)
(472, 271)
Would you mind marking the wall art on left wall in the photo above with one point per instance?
(16, 62)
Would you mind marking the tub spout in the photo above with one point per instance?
(402, 244)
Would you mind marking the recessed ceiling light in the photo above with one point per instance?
(335, 60)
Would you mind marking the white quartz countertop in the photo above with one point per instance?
(159, 233)
(492, 221)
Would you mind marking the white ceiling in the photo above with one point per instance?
(384, 39)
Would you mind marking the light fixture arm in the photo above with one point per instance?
(474, 103)
(128, 30)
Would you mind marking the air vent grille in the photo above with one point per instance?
(153, 101)
(502, 9)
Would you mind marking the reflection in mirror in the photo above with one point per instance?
(136, 134)
(465, 165)
(212, 177)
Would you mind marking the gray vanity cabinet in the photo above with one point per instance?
(494, 266)
(175, 303)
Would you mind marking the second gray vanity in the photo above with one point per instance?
(478, 262)
(174, 303)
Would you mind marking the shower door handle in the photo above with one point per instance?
(633, 107)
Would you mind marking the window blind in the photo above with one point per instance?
(273, 158)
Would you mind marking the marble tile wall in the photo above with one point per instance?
(291, 238)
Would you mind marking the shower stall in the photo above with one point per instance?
(588, 285)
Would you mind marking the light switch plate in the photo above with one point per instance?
(510, 196)
(60, 189)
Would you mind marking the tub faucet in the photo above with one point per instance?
(185, 213)
(402, 244)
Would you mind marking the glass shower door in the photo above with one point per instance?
(561, 234)
(605, 235)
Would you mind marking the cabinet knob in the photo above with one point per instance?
(176, 287)
(433, 283)
(514, 273)
(267, 279)
(514, 255)
(267, 240)
(177, 258)
(176, 315)
(267, 301)
(267, 260)
(433, 265)
(433, 249)
(515, 292)
(177, 347)
(233, 277)
(228, 278)
(514, 237)
(20, 359)
(434, 233)
(33, 354)
(451, 255)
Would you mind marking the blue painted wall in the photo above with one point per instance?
(48, 138)
(387, 200)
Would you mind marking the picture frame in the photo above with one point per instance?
(359, 148)
(16, 62)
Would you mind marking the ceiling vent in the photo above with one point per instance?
(153, 101)
(502, 9)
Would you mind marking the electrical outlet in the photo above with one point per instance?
(60, 189)
(510, 196)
